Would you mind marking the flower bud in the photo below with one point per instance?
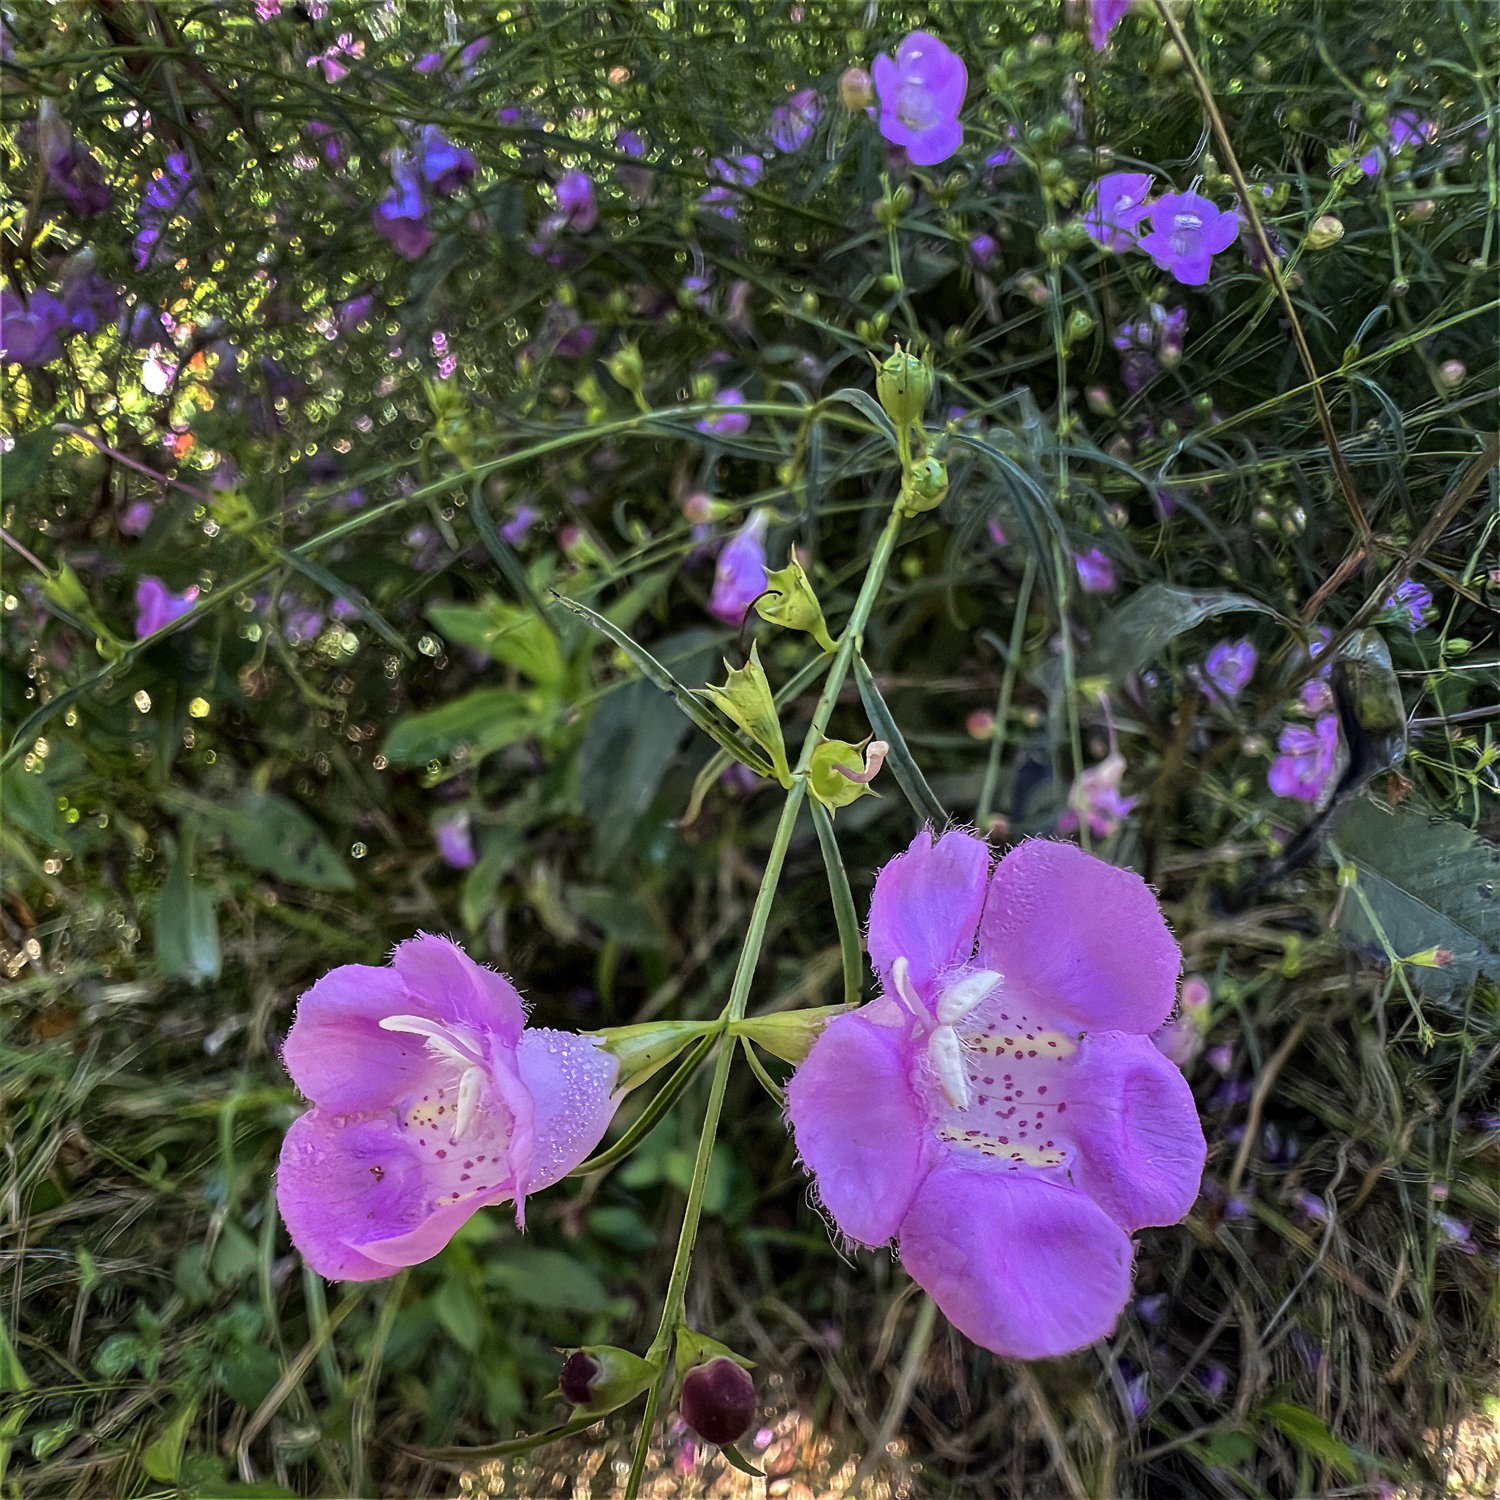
(718, 1401)
(627, 367)
(746, 699)
(601, 1378)
(839, 772)
(903, 384)
(856, 89)
(787, 1034)
(980, 725)
(789, 601)
(1453, 373)
(925, 487)
(1326, 231)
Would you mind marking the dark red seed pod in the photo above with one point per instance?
(579, 1375)
(718, 1401)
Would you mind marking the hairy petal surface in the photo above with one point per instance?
(452, 987)
(1079, 941)
(336, 1051)
(569, 1079)
(858, 1125)
(1027, 1268)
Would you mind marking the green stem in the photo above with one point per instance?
(739, 991)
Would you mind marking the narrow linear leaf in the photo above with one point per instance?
(331, 584)
(866, 405)
(652, 669)
(1312, 1435)
(908, 775)
(851, 950)
(187, 928)
(505, 558)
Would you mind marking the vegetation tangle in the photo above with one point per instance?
(749, 747)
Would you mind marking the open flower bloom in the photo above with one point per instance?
(1187, 231)
(1116, 205)
(921, 92)
(1000, 1109)
(431, 1100)
(156, 606)
(1307, 759)
(740, 575)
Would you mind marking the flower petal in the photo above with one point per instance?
(570, 1079)
(1140, 1147)
(339, 1182)
(452, 987)
(336, 1052)
(1221, 234)
(1027, 1268)
(926, 905)
(927, 148)
(858, 1126)
(1079, 941)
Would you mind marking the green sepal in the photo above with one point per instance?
(789, 601)
(622, 1377)
(694, 1349)
(788, 1034)
(903, 384)
(840, 773)
(643, 1050)
(745, 698)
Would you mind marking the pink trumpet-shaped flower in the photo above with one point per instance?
(1000, 1109)
(921, 93)
(431, 1100)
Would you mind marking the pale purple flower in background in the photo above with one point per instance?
(984, 249)
(331, 59)
(267, 10)
(728, 423)
(740, 574)
(996, 533)
(31, 329)
(444, 166)
(734, 173)
(576, 205)
(921, 92)
(455, 840)
(1000, 1108)
(1151, 343)
(1187, 231)
(1454, 1232)
(1116, 204)
(1413, 600)
(1406, 130)
(137, 518)
(1229, 667)
(521, 521)
(156, 606)
(1094, 799)
(1307, 759)
(1095, 571)
(1315, 695)
(1179, 1041)
(69, 163)
(792, 123)
(1104, 16)
(401, 216)
(635, 180)
(431, 1100)
(168, 193)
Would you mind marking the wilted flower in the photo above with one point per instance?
(69, 164)
(1414, 601)
(1187, 231)
(1229, 667)
(740, 576)
(431, 1100)
(401, 216)
(1307, 759)
(1117, 203)
(635, 180)
(921, 93)
(1000, 1107)
(718, 1400)
(1095, 571)
(792, 123)
(156, 606)
(1104, 16)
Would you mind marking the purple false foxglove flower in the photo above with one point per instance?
(1104, 16)
(728, 423)
(1229, 666)
(1117, 203)
(1405, 131)
(431, 1100)
(168, 194)
(984, 249)
(921, 93)
(1414, 601)
(401, 216)
(734, 173)
(1095, 571)
(1187, 231)
(69, 164)
(1095, 799)
(1307, 759)
(444, 166)
(137, 518)
(740, 575)
(525, 517)
(455, 840)
(792, 123)
(635, 180)
(576, 206)
(156, 606)
(31, 329)
(1000, 1108)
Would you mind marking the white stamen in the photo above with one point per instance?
(439, 1039)
(469, 1087)
(901, 978)
(945, 1053)
(970, 991)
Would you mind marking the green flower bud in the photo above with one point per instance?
(789, 601)
(644, 1049)
(789, 1034)
(600, 1378)
(924, 488)
(627, 367)
(840, 773)
(745, 698)
(1326, 232)
(903, 384)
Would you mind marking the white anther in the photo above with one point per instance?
(946, 1054)
(440, 1041)
(970, 991)
(469, 1088)
(901, 978)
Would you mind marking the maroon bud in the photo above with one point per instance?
(579, 1375)
(718, 1401)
